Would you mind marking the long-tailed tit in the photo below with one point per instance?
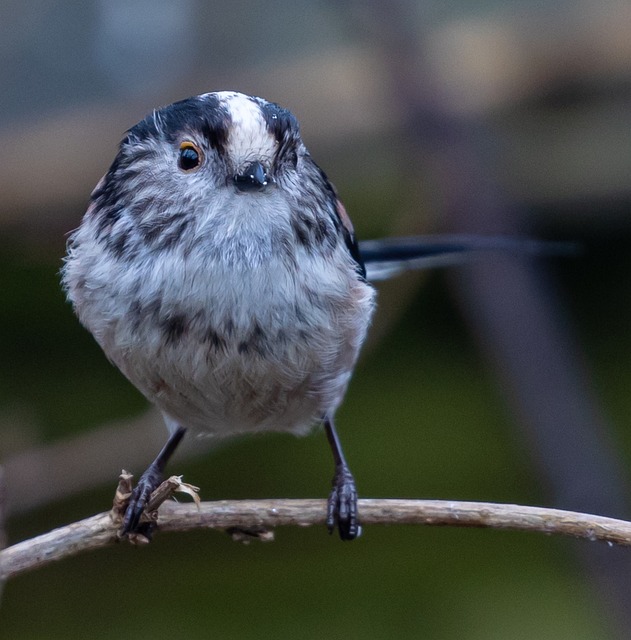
(218, 270)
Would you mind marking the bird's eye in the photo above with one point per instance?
(189, 156)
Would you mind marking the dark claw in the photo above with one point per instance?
(342, 505)
(149, 481)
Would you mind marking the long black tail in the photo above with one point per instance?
(388, 257)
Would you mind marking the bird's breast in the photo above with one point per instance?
(254, 341)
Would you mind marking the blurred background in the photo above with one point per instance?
(503, 380)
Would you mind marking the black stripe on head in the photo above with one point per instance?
(206, 114)
(280, 122)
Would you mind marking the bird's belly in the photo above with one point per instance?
(230, 346)
(243, 384)
(278, 364)
(237, 400)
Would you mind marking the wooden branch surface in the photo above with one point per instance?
(101, 530)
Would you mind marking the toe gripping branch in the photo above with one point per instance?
(341, 506)
(342, 502)
(149, 481)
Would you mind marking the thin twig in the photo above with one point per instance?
(101, 530)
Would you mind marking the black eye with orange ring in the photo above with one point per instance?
(189, 156)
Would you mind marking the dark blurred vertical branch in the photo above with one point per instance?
(3, 539)
(511, 306)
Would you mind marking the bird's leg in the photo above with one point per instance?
(149, 481)
(342, 503)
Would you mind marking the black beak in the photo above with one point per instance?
(253, 178)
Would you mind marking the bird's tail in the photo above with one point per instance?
(388, 257)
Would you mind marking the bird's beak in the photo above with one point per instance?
(252, 178)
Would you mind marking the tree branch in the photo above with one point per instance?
(259, 515)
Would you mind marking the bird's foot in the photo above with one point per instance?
(342, 505)
(149, 481)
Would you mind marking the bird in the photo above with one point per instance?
(217, 268)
